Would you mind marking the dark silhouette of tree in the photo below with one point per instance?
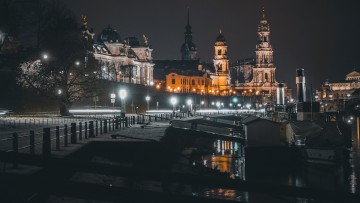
(62, 76)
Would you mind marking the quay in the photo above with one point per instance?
(135, 163)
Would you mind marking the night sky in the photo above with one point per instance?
(320, 36)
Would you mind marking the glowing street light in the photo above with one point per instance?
(77, 63)
(45, 56)
(147, 98)
(173, 101)
(189, 102)
(122, 94)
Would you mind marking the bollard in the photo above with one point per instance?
(117, 123)
(97, 128)
(126, 122)
(113, 124)
(32, 142)
(101, 127)
(57, 137)
(73, 139)
(15, 149)
(65, 135)
(105, 126)
(80, 131)
(46, 145)
(91, 129)
(86, 131)
(149, 119)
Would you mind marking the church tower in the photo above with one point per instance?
(188, 49)
(264, 70)
(221, 78)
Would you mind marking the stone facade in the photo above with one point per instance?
(125, 61)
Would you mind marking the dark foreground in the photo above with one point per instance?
(136, 169)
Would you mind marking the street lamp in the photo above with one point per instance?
(122, 94)
(45, 56)
(189, 102)
(147, 98)
(173, 101)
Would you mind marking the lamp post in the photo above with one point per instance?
(122, 94)
(173, 101)
(189, 102)
(147, 98)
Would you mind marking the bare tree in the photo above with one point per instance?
(63, 75)
(66, 82)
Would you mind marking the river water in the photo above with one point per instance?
(229, 157)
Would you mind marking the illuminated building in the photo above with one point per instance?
(188, 49)
(125, 61)
(188, 81)
(257, 76)
(341, 90)
(221, 78)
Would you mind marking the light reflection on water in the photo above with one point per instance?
(229, 157)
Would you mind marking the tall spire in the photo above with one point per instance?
(188, 49)
(263, 13)
(188, 16)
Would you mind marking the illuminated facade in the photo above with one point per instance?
(125, 61)
(341, 90)
(263, 80)
(196, 82)
(221, 78)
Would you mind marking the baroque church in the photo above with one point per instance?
(127, 60)
(247, 77)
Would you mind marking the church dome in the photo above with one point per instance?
(109, 34)
(220, 38)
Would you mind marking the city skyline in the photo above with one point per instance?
(315, 36)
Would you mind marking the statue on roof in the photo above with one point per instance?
(87, 35)
(145, 40)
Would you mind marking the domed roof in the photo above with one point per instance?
(220, 38)
(109, 34)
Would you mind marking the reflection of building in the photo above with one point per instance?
(125, 61)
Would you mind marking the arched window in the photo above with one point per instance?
(219, 51)
(266, 77)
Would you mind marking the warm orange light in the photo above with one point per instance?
(194, 90)
(245, 91)
(178, 88)
(250, 90)
(257, 92)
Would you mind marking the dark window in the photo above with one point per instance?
(202, 82)
(219, 51)
(193, 82)
(173, 81)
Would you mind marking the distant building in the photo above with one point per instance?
(126, 61)
(221, 79)
(178, 75)
(188, 49)
(341, 89)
